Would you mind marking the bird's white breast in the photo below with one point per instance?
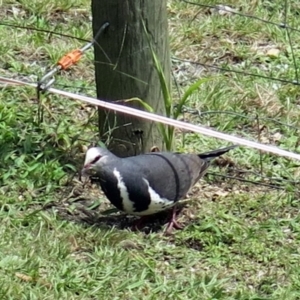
(128, 205)
(156, 205)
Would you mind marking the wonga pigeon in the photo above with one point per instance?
(149, 183)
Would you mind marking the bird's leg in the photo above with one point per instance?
(139, 224)
(173, 223)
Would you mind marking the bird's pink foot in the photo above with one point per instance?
(139, 224)
(173, 222)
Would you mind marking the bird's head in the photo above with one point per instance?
(94, 158)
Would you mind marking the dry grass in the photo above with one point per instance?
(240, 240)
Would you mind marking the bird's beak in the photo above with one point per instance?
(85, 170)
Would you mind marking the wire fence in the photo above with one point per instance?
(185, 70)
(258, 121)
(282, 25)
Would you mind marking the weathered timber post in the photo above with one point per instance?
(124, 69)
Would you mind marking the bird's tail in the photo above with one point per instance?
(215, 153)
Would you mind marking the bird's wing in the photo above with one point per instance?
(169, 174)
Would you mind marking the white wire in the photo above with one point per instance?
(161, 119)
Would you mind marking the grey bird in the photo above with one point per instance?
(149, 183)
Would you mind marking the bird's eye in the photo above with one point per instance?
(95, 159)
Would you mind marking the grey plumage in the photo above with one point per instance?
(148, 183)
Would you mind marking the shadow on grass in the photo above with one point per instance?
(88, 217)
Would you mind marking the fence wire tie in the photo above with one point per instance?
(67, 61)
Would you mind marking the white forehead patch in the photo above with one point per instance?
(91, 154)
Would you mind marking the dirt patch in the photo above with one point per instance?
(192, 244)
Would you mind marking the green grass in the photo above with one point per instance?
(241, 240)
